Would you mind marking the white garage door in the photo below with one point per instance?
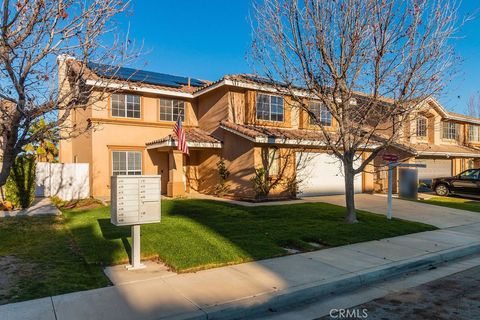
(322, 174)
(435, 168)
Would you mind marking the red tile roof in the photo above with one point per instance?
(192, 135)
(443, 149)
(253, 132)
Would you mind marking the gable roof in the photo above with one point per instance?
(149, 77)
(451, 115)
(186, 87)
(136, 80)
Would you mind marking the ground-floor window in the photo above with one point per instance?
(126, 163)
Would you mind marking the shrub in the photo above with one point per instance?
(20, 186)
(223, 175)
(261, 183)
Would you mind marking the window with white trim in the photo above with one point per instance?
(269, 107)
(422, 127)
(449, 130)
(171, 109)
(126, 163)
(321, 114)
(473, 133)
(125, 106)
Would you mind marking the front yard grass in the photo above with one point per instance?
(55, 255)
(455, 202)
(199, 234)
(38, 258)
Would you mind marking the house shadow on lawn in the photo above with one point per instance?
(254, 233)
(112, 232)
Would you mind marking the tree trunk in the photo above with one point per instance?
(8, 158)
(351, 216)
(10, 152)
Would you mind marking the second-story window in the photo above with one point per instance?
(125, 106)
(269, 107)
(322, 115)
(171, 109)
(421, 127)
(474, 133)
(449, 130)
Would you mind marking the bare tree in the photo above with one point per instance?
(37, 38)
(370, 63)
(473, 106)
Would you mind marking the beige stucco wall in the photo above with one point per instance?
(201, 174)
(239, 160)
(213, 107)
(150, 111)
(110, 134)
(112, 137)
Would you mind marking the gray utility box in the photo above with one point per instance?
(135, 200)
(408, 183)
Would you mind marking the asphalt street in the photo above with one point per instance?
(453, 297)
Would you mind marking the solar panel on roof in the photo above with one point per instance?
(134, 75)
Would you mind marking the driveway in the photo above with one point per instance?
(441, 217)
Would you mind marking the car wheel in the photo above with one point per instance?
(442, 190)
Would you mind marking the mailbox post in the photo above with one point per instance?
(135, 201)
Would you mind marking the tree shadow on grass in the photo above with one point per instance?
(112, 232)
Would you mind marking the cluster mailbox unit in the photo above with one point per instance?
(135, 201)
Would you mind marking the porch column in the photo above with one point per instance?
(176, 184)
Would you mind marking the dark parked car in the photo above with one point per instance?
(466, 183)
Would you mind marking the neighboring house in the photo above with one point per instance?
(448, 143)
(238, 118)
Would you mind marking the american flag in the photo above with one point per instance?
(180, 132)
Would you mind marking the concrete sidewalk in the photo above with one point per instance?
(39, 207)
(245, 289)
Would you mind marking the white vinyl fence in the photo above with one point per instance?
(68, 181)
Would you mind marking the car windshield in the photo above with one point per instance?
(469, 174)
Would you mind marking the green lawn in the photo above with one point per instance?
(198, 234)
(454, 202)
(64, 254)
(38, 258)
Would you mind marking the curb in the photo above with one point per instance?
(257, 305)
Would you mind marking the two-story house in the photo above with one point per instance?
(446, 142)
(238, 119)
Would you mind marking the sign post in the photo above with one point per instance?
(391, 159)
(392, 163)
(135, 201)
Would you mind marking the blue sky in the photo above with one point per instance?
(207, 39)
